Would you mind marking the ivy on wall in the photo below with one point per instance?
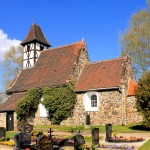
(59, 102)
(28, 105)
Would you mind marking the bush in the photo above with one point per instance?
(143, 98)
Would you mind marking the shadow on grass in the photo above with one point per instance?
(139, 127)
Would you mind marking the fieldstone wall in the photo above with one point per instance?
(127, 72)
(81, 61)
(133, 116)
(3, 120)
(109, 110)
(37, 120)
(15, 121)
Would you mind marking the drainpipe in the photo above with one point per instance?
(123, 100)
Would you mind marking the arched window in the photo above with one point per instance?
(93, 101)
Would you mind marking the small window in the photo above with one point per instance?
(93, 101)
(41, 47)
(28, 48)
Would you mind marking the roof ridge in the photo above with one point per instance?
(34, 30)
(113, 59)
(79, 42)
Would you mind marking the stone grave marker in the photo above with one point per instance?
(95, 137)
(26, 128)
(44, 143)
(23, 139)
(108, 132)
(78, 142)
(2, 132)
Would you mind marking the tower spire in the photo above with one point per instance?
(33, 44)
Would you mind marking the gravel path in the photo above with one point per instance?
(145, 135)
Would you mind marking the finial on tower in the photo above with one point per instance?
(83, 40)
(33, 20)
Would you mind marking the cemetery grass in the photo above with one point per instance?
(146, 146)
(132, 128)
(10, 134)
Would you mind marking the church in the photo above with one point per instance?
(105, 89)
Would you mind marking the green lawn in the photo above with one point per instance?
(146, 146)
(10, 134)
(115, 128)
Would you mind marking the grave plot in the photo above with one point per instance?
(120, 139)
(23, 139)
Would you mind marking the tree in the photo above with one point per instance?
(143, 98)
(135, 41)
(12, 64)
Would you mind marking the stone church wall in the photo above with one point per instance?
(82, 60)
(37, 120)
(3, 120)
(133, 116)
(109, 110)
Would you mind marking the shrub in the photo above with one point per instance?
(143, 98)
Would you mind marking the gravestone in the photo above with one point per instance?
(108, 132)
(23, 139)
(26, 128)
(2, 132)
(44, 143)
(78, 142)
(95, 137)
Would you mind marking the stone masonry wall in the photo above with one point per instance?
(3, 120)
(133, 116)
(37, 120)
(109, 110)
(15, 121)
(82, 60)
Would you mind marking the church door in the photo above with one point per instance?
(10, 121)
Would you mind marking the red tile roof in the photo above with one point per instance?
(131, 87)
(10, 104)
(35, 34)
(101, 75)
(53, 68)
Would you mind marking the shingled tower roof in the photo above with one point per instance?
(35, 34)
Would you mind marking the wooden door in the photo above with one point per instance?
(10, 121)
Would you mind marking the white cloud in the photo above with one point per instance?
(5, 43)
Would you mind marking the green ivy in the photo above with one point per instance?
(28, 105)
(59, 102)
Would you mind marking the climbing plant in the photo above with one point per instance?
(28, 105)
(59, 102)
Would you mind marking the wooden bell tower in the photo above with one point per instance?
(33, 44)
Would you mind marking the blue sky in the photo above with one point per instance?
(99, 22)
